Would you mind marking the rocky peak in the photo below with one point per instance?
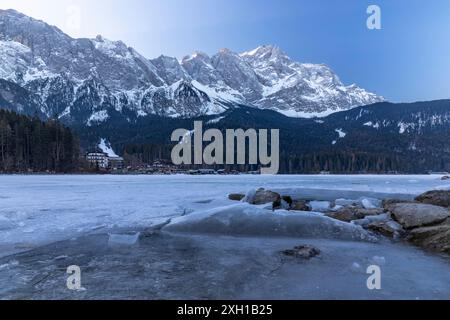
(169, 69)
(35, 55)
(265, 52)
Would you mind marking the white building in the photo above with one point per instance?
(116, 163)
(99, 159)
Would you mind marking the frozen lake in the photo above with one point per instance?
(37, 210)
(71, 213)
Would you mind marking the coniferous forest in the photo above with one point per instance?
(28, 144)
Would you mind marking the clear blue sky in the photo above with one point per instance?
(408, 60)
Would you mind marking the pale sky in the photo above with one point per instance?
(408, 60)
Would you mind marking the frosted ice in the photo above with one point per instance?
(245, 219)
(124, 239)
(63, 207)
(320, 206)
(211, 242)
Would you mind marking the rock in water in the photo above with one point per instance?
(351, 213)
(236, 196)
(437, 198)
(346, 214)
(300, 206)
(302, 252)
(436, 238)
(414, 215)
(288, 200)
(281, 204)
(387, 228)
(388, 203)
(263, 196)
(370, 212)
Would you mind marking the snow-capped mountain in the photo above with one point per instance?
(90, 80)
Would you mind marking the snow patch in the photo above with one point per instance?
(341, 133)
(105, 146)
(96, 117)
(216, 120)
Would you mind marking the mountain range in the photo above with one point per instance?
(107, 91)
(87, 81)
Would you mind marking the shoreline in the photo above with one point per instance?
(224, 175)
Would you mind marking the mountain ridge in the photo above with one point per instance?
(78, 79)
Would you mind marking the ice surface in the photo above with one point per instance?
(36, 210)
(97, 215)
(245, 219)
(370, 203)
(124, 239)
(320, 206)
(181, 266)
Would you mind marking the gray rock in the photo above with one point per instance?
(414, 215)
(288, 200)
(388, 203)
(302, 252)
(436, 238)
(351, 213)
(436, 197)
(263, 196)
(236, 196)
(370, 212)
(346, 214)
(300, 206)
(280, 204)
(390, 229)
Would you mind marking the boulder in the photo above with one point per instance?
(263, 196)
(388, 203)
(300, 206)
(414, 215)
(351, 213)
(436, 238)
(387, 228)
(236, 196)
(302, 252)
(437, 198)
(288, 200)
(445, 178)
(346, 214)
(369, 212)
(280, 204)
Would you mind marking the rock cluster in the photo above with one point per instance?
(263, 196)
(424, 222)
(302, 252)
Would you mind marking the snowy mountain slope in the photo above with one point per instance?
(383, 137)
(316, 88)
(87, 80)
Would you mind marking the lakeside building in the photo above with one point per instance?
(98, 159)
(103, 161)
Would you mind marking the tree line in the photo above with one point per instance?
(30, 144)
(298, 162)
